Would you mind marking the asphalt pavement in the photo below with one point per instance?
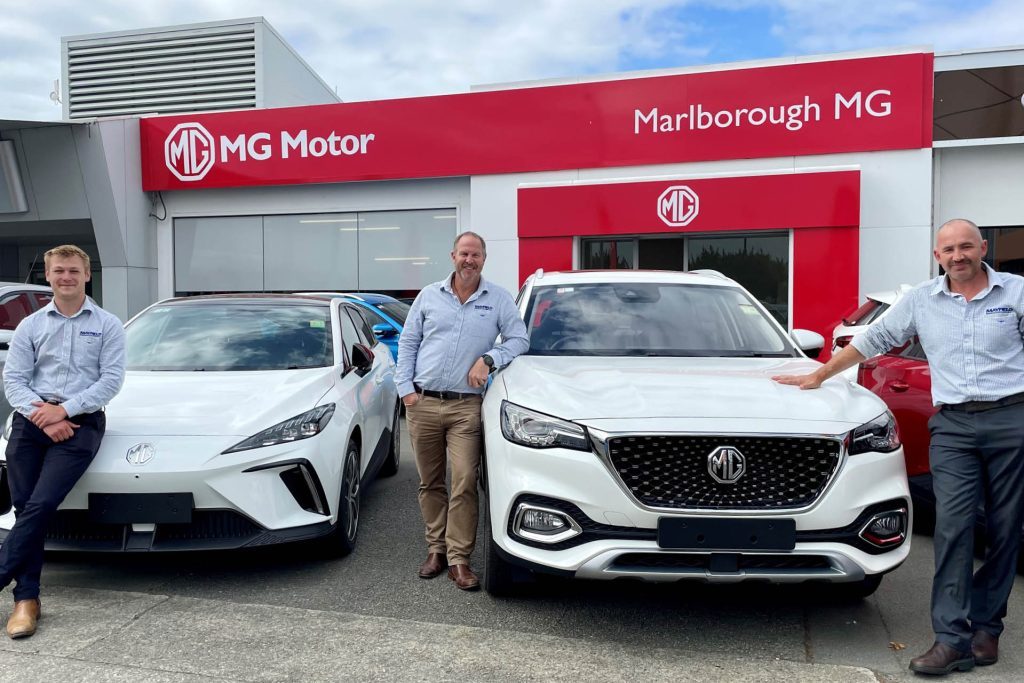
(284, 613)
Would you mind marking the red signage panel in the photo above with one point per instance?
(865, 104)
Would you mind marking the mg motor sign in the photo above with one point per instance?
(678, 206)
(845, 105)
(726, 465)
(189, 152)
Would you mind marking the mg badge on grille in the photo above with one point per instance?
(140, 454)
(726, 465)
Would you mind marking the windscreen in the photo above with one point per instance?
(398, 310)
(650, 319)
(230, 336)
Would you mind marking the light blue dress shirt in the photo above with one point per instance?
(77, 360)
(442, 337)
(975, 348)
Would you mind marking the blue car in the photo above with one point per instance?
(385, 315)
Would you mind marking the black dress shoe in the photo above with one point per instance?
(433, 565)
(985, 648)
(942, 659)
(463, 577)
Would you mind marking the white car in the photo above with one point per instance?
(17, 302)
(642, 436)
(876, 307)
(244, 420)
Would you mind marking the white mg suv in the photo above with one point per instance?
(642, 436)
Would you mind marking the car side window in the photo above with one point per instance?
(372, 318)
(914, 350)
(364, 335)
(14, 309)
(349, 335)
(42, 298)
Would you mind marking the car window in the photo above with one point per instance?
(13, 309)
(371, 316)
(363, 332)
(866, 313)
(349, 335)
(650, 319)
(398, 310)
(229, 336)
(42, 298)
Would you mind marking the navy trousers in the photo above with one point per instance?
(41, 473)
(975, 457)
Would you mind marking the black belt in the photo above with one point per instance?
(978, 406)
(445, 395)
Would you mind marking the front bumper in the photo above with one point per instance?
(619, 536)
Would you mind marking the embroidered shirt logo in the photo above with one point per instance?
(998, 309)
(87, 333)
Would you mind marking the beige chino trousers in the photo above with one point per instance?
(443, 433)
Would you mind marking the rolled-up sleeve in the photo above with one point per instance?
(891, 331)
(514, 339)
(408, 348)
(111, 372)
(19, 368)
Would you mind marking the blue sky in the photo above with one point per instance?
(401, 48)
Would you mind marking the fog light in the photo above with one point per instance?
(544, 525)
(886, 529)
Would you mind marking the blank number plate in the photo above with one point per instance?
(696, 533)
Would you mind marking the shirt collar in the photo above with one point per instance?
(995, 279)
(446, 285)
(87, 306)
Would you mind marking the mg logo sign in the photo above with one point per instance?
(140, 454)
(726, 465)
(189, 151)
(678, 205)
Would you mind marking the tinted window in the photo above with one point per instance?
(363, 332)
(230, 336)
(14, 309)
(42, 298)
(398, 310)
(914, 350)
(866, 313)
(650, 319)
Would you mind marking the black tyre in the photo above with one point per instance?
(390, 466)
(498, 575)
(342, 539)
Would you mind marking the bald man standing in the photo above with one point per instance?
(970, 324)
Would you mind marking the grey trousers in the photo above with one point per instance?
(975, 457)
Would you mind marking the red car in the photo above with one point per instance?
(902, 379)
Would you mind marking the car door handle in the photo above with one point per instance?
(898, 387)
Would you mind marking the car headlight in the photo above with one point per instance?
(299, 427)
(878, 436)
(537, 430)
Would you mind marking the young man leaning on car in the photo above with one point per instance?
(971, 326)
(445, 354)
(65, 363)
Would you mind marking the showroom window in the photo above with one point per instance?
(979, 103)
(1005, 248)
(759, 262)
(395, 252)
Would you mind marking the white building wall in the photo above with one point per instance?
(983, 183)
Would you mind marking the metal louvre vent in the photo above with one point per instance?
(205, 71)
(673, 471)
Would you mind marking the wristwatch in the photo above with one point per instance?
(488, 361)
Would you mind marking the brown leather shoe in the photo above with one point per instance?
(23, 619)
(463, 577)
(985, 648)
(942, 659)
(433, 565)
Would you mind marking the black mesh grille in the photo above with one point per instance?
(74, 526)
(208, 525)
(673, 471)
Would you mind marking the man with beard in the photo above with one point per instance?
(445, 354)
(970, 323)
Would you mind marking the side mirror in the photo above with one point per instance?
(384, 331)
(809, 342)
(362, 358)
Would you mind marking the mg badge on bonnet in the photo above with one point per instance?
(140, 454)
(726, 465)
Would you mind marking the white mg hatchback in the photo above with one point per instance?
(642, 436)
(244, 420)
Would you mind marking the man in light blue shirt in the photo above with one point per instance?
(447, 350)
(970, 323)
(65, 363)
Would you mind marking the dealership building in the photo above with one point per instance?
(211, 158)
